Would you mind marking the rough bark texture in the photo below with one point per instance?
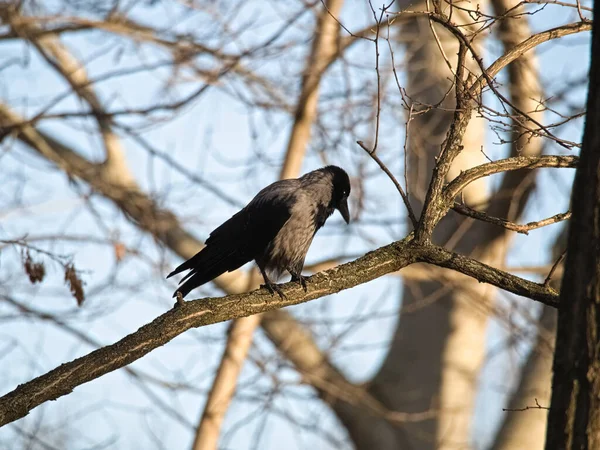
(574, 418)
(63, 379)
(197, 313)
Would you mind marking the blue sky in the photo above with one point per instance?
(213, 139)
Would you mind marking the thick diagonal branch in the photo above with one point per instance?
(391, 258)
(143, 211)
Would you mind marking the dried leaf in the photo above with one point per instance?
(75, 283)
(120, 251)
(35, 271)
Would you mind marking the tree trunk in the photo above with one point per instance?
(438, 348)
(526, 429)
(242, 330)
(574, 419)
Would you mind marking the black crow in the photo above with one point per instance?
(275, 229)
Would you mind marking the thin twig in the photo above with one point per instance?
(438, 43)
(554, 267)
(383, 167)
(376, 42)
(523, 229)
(537, 406)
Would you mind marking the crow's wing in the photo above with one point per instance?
(241, 238)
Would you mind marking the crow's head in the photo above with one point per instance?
(340, 190)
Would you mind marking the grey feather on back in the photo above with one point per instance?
(310, 207)
(275, 229)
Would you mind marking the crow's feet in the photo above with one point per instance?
(179, 301)
(300, 279)
(272, 288)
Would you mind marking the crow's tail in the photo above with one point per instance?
(206, 265)
(194, 261)
(197, 278)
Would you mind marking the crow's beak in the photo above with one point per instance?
(343, 209)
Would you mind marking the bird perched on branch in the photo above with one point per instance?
(275, 229)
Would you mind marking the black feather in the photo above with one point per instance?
(237, 241)
(275, 229)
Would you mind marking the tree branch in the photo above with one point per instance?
(161, 223)
(193, 314)
(507, 224)
(483, 273)
(453, 189)
(465, 105)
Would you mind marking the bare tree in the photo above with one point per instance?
(412, 84)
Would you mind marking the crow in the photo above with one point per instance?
(275, 229)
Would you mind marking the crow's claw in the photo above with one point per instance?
(179, 301)
(300, 279)
(272, 288)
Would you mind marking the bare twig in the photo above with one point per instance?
(523, 229)
(453, 189)
(526, 408)
(391, 176)
(554, 267)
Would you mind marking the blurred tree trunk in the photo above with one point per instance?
(574, 418)
(242, 330)
(439, 344)
(526, 429)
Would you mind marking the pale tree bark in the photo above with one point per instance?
(74, 73)
(439, 347)
(525, 429)
(239, 340)
(242, 330)
(323, 51)
(437, 350)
